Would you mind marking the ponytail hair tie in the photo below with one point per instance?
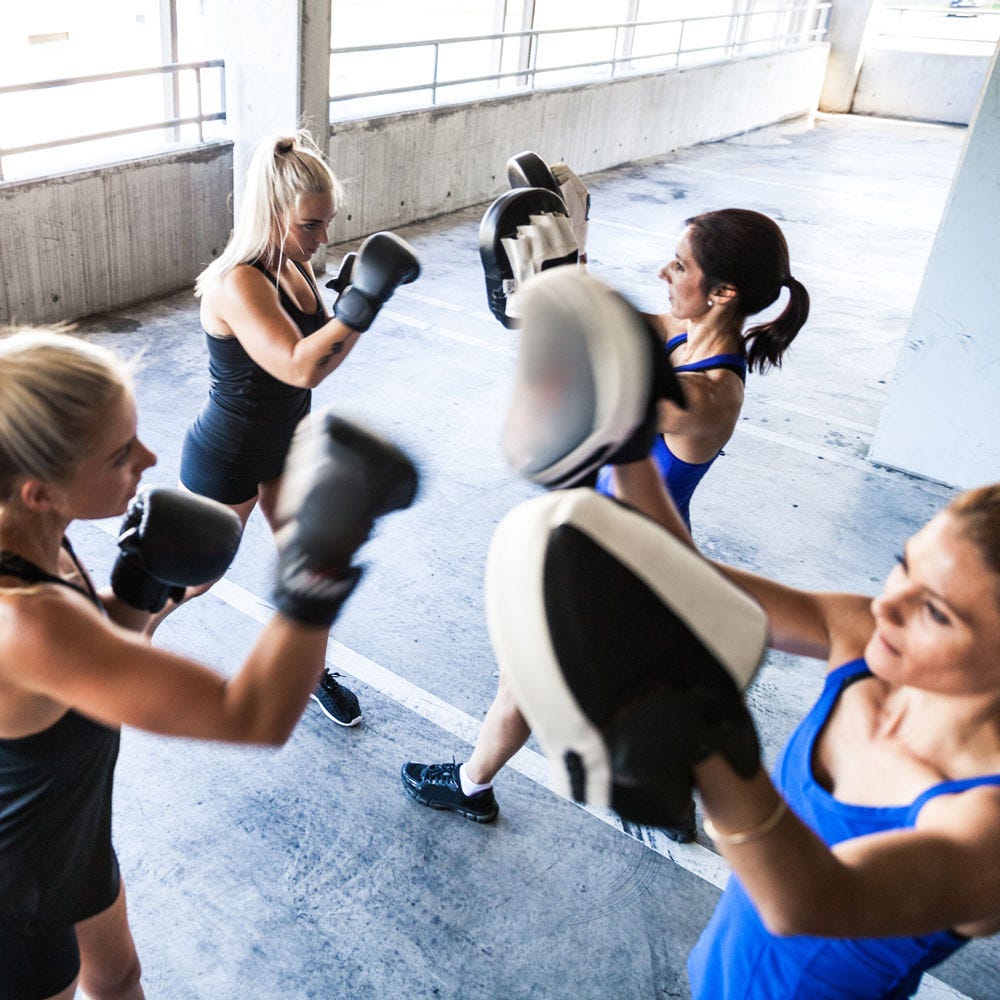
(284, 146)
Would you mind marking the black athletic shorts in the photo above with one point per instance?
(38, 965)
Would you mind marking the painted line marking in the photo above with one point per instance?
(849, 425)
(497, 346)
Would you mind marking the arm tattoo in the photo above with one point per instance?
(325, 359)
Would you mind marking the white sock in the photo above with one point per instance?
(469, 787)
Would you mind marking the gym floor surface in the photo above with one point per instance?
(307, 872)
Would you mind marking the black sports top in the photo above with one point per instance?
(238, 384)
(57, 865)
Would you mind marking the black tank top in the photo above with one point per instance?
(238, 384)
(57, 865)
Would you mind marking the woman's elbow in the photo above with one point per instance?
(303, 378)
(275, 734)
(785, 918)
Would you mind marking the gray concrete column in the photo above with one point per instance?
(850, 29)
(942, 416)
(314, 77)
(277, 69)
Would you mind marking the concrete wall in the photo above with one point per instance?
(925, 86)
(400, 168)
(94, 240)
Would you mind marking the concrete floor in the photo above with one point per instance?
(307, 872)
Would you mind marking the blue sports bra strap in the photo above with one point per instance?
(674, 342)
(951, 788)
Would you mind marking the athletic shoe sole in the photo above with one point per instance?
(476, 817)
(333, 718)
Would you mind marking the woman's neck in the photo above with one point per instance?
(710, 335)
(35, 537)
(945, 727)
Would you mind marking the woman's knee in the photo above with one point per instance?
(120, 982)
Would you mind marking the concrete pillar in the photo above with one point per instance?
(277, 56)
(850, 30)
(942, 416)
(277, 69)
(314, 77)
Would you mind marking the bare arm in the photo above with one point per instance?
(714, 400)
(248, 305)
(827, 626)
(944, 873)
(67, 652)
(121, 613)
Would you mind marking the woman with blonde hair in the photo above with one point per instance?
(75, 666)
(270, 339)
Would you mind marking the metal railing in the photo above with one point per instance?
(172, 118)
(794, 24)
(974, 27)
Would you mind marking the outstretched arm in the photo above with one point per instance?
(828, 626)
(57, 645)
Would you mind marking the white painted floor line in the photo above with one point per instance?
(429, 300)
(500, 345)
(833, 457)
(850, 425)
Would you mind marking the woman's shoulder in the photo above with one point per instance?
(666, 326)
(248, 274)
(30, 611)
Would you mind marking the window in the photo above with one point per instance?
(389, 55)
(63, 40)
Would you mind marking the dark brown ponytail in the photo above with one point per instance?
(747, 250)
(767, 342)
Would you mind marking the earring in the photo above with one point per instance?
(710, 303)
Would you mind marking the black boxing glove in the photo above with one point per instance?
(338, 479)
(383, 263)
(663, 384)
(170, 540)
(342, 279)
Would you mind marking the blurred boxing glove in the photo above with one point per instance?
(338, 479)
(383, 263)
(522, 233)
(590, 371)
(625, 650)
(170, 540)
(528, 169)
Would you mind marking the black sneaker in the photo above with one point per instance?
(336, 701)
(439, 786)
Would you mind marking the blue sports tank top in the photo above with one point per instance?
(682, 478)
(57, 865)
(737, 956)
(239, 385)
